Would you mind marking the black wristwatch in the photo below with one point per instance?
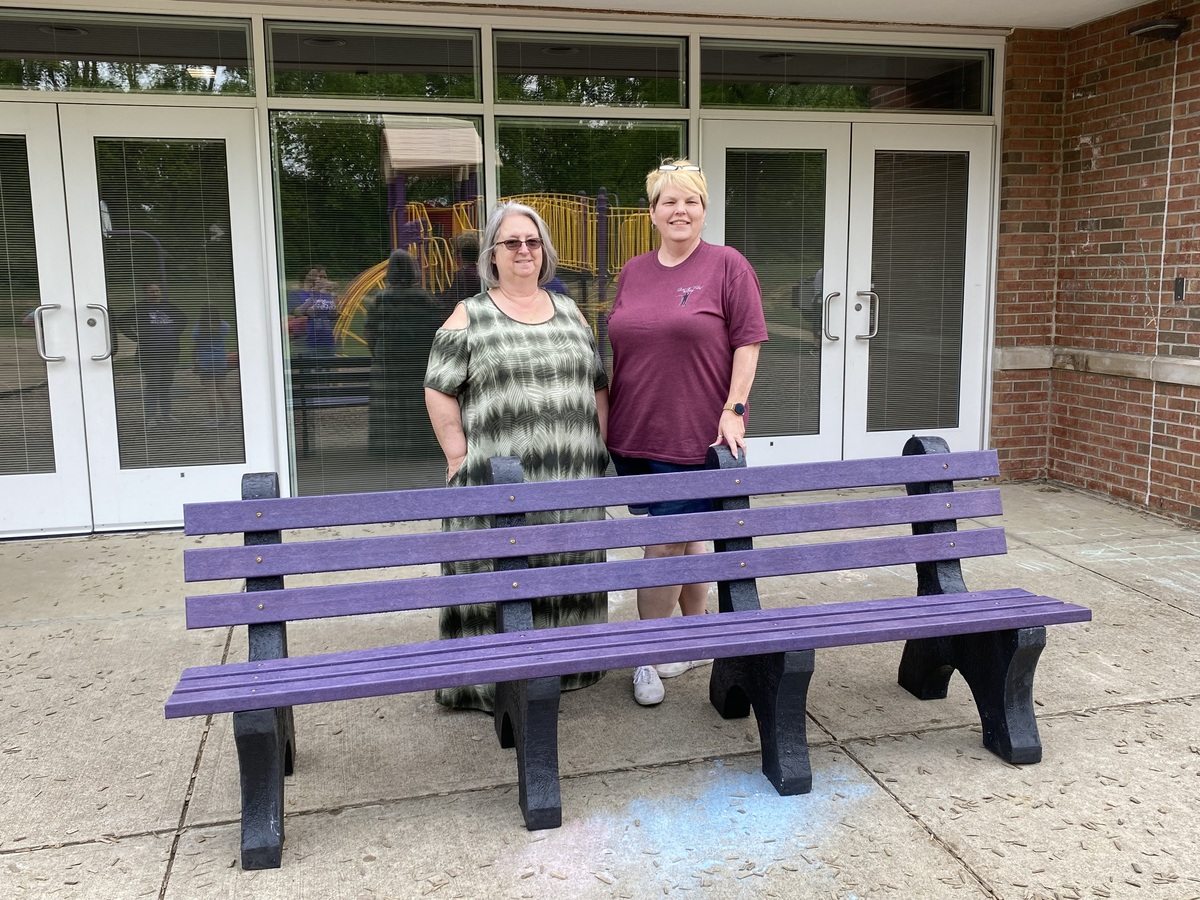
(738, 409)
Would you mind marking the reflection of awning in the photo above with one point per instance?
(426, 143)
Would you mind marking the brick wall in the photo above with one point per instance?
(1099, 210)
(1027, 262)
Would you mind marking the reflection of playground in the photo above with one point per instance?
(594, 241)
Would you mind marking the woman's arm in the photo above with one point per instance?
(446, 417)
(602, 412)
(731, 428)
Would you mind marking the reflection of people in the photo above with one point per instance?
(465, 281)
(211, 362)
(319, 307)
(399, 330)
(155, 324)
(685, 330)
(514, 372)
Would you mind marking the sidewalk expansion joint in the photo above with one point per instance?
(187, 797)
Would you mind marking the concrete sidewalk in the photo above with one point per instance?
(100, 797)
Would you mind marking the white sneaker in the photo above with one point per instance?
(647, 688)
(675, 669)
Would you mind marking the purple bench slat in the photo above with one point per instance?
(291, 604)
(308, 557)
(585, 648)
(650, 632)
(436, 503)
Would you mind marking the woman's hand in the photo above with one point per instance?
(731, 430)
(453, 464)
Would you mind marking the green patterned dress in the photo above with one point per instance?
(527, 391)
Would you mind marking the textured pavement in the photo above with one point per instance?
(101, 797)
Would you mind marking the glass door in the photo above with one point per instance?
(43, 454)
(871, 243)
(917, 282)
(138, 316)
(172, 306)
(778, 192)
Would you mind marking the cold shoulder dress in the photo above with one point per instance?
(527, 391)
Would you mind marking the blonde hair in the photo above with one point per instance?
(690, 180)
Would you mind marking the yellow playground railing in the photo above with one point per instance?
(574, 223)
(466, 216)
(571, 219)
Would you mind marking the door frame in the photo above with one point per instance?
(153, 497)
(718, 135)
(849, 214)
(978, 141)
(57, 502)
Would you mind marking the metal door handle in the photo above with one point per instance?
(825, 316)
(873, 313)
(39, 335)
(103, 310)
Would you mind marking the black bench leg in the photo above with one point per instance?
(776, 686)
(998, 666)
(527, 718)
(260, 735)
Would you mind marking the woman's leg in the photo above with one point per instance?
(660, 602)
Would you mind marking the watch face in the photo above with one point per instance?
(739, 408)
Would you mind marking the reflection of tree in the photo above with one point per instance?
(175, 190)
(390, 85)
(582, 156)
(90, 75)
(18, 264)
(332, 197)
(590, 90)
(761, 94)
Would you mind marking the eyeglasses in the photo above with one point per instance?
(668, 167)
(514, 244)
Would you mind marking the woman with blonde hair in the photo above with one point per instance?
(685, 329)
(514, 371)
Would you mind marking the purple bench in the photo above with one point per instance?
(764, 657)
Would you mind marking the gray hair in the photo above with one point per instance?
(488, 273)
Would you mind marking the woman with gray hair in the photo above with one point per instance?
(515, 371)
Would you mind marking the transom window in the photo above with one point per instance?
(70, 51)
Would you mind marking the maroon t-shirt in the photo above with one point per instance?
(673, 332)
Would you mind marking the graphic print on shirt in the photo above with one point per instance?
(687, 292)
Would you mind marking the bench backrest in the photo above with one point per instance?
(333, 377)
(930, 506)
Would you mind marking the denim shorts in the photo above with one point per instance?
(636, 465)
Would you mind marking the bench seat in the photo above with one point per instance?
(586, 648)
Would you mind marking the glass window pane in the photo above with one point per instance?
(26, 439)
(583, 70)
(365, 61)
(168, 272)
(918, 271)
(748, 74)
(352, 189)
(587, 179)
(775, 215)
(72, 51)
